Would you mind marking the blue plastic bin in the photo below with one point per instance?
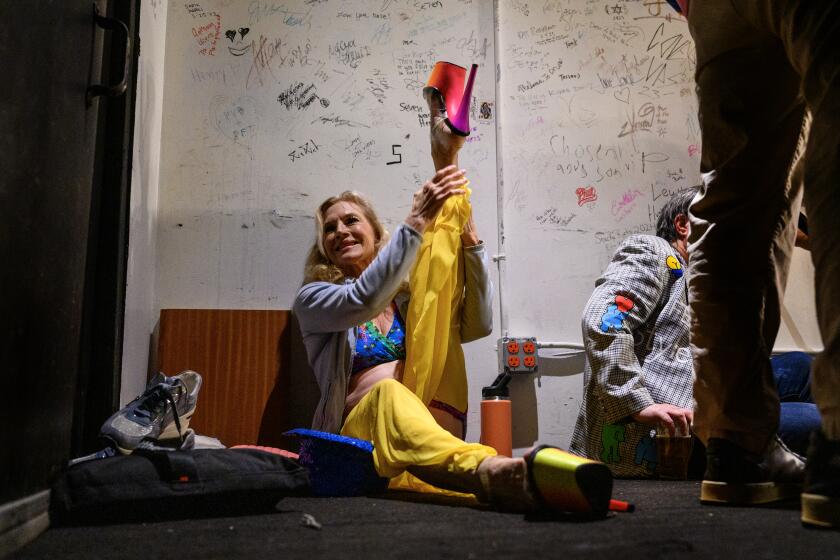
(338, 465)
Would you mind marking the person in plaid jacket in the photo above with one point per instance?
(639, 368)
(638, 360)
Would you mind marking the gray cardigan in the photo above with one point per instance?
(329, 313)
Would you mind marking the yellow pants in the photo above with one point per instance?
(433, 345)
(404, 434)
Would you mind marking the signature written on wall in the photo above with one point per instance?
(270, 54)
(305, 149)
(299, 96)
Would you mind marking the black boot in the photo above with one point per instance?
(734, 476)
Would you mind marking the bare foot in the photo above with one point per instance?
(505, 483)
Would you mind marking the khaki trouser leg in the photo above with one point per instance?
(822, 199)
(741, 223)
(810, 33)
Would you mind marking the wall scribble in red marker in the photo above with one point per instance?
(586, 195)
(208, 35)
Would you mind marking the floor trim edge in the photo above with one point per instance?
(23, 520)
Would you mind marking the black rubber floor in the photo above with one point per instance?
(669, 522)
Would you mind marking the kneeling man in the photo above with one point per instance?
(639, 371)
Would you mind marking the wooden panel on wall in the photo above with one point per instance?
(242, 356)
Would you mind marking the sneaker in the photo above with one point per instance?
(163, 412)
(821, 495)
(734, 476)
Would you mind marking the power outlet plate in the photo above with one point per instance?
(518, 354)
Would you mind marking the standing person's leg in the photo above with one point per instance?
(822, 176)
(813, 41)
(822, 199)
(750, 119)
(742, 238)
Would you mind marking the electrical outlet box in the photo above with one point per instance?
(518, 355)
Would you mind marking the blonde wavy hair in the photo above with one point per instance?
(318, 267)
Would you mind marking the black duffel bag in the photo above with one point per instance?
(149, 486)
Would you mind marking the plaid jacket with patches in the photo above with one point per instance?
(635, 356)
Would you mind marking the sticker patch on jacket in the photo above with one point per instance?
(616, 313)
(646, 452)
(611, 436)
(675, 266)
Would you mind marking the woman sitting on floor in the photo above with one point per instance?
(352, 309)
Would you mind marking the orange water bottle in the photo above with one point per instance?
(496, 423)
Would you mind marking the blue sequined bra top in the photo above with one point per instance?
(374, 348)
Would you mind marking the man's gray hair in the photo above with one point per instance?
(678, 204)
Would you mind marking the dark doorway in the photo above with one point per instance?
(63, 204)
(98, 389)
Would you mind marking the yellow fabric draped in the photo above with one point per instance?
(434, 364)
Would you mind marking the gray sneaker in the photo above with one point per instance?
(163, 412)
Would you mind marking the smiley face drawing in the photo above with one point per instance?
(674, 265)
(237, 46)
